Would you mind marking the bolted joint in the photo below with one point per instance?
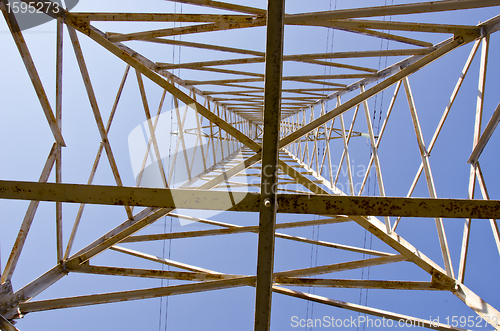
(6, 288)
(443, 280)
(267, 203)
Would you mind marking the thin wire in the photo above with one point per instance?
(309, 303)
(168, 268)
(378, 131)
(315, 264)
(321, 150)
(1, 260)
(165, 219)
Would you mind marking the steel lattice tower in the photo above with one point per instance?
(273, 132)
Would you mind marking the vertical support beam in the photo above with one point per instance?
(152, 134)
(228, 137)
(477, 135)
(327, 154)
(315, 144)
(486, 196)
(485, 137)
(198, 141)
(180, 129)
(380, 134)
(221, 139)
(346, 151)
(31, 69)
(59, 68)
(375, 156)
(199, 133)
(354, 116)
(442, 120)
(306, 144)
(150, 142)
(430, 180)
(214, 152)
(27, 221)
(297, 142)
(310, 158)
(272, 118)
(95, 109)
(79, 214)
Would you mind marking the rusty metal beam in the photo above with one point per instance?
(28, 220)
(32, 72)
(399, 26)
(59, 95)
(485, 136)
(9, 303)
(5, 325)
(225, 6)
(161, 17)
(269, 172)
(95, 299)
(481, 307)
(150, 273)
(232, 229)
(403, 9)
(365, 310)
(372, 284)
(250, 202)
(118, 37)
(343, 266)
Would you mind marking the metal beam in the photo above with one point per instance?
(372, 91)
(86, 300)
(225, 6)
(399, 26)
(32, 72)
(475, 139)
(161, 17)
(481, 307)
(150, 273)
(269, 174)
(250, 202)
(79, 214)
(428, 175)
(365, 310)
(153, 258)
(96, 111)
(9, 303)
(118, 37)
(232, 229)
(146, 68)
(28, 220)
(372, 284)
(5, 325)
(485, 137)
(403, 9)
(343, 266)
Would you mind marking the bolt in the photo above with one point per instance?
(267, 203)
